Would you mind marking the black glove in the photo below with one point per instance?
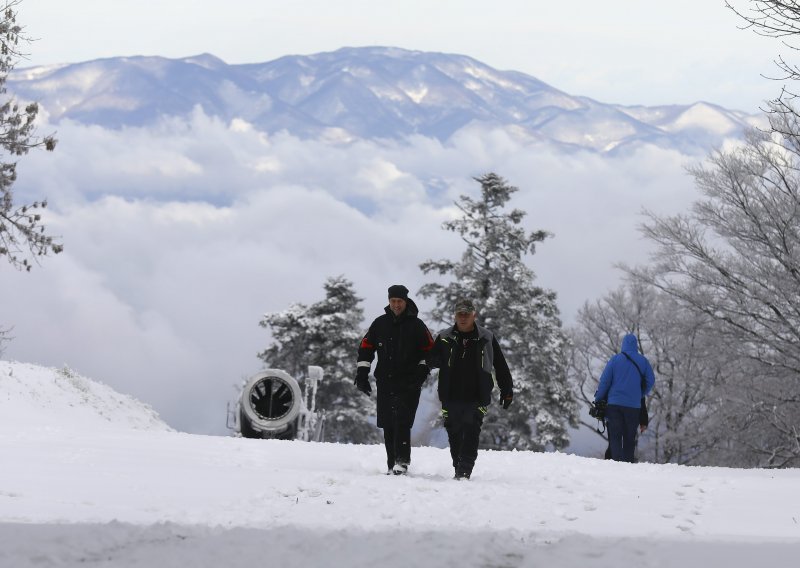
(507, 400)
(421, 375)
(362, 380)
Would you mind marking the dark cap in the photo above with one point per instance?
(398, 291)
(464, 305)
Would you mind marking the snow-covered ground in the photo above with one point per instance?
(91, 477)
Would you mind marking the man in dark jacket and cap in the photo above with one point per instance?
(402, 342)
(626, 380)
(470, 360)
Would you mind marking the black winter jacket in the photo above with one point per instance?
(402, 344)
(489, 362)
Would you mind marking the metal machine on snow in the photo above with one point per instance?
(272, 405)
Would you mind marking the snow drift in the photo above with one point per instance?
(39, 398)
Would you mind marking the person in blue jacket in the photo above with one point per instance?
(627, 378)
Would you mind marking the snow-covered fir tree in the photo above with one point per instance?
(523, 316)
(22, 234)
(326, 334)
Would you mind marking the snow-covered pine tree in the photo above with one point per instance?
(523, 316)
(326, 334)
(22, 234)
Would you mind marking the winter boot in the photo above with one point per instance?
(462, 474)
(400, 468)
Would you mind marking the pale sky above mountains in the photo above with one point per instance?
(617, 51)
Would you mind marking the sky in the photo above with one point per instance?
(180, 235)
(616, 51)
(80, 486)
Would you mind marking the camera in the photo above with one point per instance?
(598, 409)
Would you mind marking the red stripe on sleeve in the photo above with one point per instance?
(429, 341)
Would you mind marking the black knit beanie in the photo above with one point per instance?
(398, 291)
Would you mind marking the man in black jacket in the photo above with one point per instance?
(469, 359)
(402, 342)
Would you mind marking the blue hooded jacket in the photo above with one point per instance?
(621, 383)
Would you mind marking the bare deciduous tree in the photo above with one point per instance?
(680, 346)
(736, 256)
(735, 259)
(779, 19)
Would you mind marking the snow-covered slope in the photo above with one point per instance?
(368, 92)
(40, 398)
(95, 493)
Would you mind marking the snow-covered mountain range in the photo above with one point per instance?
(369, 92)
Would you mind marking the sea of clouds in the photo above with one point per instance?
(180, 236)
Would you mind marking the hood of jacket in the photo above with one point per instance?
(630, 344)
(411, 310)
(452, 331)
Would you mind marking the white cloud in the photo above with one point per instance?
(165, 277)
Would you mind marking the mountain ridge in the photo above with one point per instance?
(366, 92)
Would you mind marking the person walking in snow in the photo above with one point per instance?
(469, 360)
(626, 380)
(402, 342)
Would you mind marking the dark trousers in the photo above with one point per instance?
(396, 412)
(644, 420)
(463, 425)
(622, 424)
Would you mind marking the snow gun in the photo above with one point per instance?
(271, 405)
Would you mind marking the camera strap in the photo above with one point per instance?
(641, 374)
(599, 424)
